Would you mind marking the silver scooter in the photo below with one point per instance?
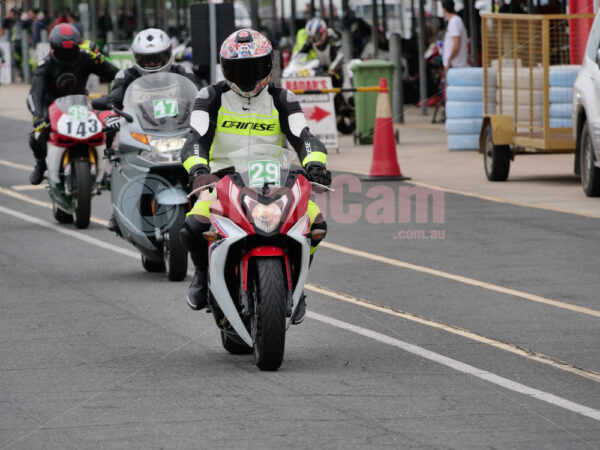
(148, 181)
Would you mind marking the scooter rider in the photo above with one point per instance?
(245, 97)
(152, 51)
(64, 71)
(323, 44)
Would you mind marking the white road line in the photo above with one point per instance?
(505, 346)
(29, 187)
(41, 203)
(410, 348)
(461, 367)
(15, 165)
(71, 233)
(460, 279)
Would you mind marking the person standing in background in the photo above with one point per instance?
(454, 51)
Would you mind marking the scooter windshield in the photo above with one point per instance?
(262, 164)
(161, 101)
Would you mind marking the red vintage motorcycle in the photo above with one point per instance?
(75, 158)
(259, 251)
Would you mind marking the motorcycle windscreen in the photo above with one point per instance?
(72, 104)
(161, 101)
(261, 163)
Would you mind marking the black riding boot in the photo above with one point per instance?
(191, 236)
(197, 296)
(37, 175)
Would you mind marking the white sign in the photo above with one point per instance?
(318, 108)
(6, 70)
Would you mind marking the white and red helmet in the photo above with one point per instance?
(247, 62)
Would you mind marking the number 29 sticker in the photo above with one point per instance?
(262, 172)
(165, 107)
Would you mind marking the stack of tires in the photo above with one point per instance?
(561, 93)
(522, 97)
(464, 106)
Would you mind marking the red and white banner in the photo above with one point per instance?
(318, 108)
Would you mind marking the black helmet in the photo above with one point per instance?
(64, 44)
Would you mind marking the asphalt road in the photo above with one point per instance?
(487, 338)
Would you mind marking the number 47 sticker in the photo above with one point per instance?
(165, 107)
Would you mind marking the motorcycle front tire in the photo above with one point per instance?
(268, 329)
(82, 193)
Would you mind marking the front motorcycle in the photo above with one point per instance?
(148, 182)
(76, 139)
(259, 251)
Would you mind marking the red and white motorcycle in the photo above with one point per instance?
(74, 159)
(259, 251)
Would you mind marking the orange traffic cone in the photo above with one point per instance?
(384, 165)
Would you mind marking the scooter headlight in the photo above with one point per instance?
(165, 149)
(265, 217)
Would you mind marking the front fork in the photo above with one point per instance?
(247, 302)
(67, 167)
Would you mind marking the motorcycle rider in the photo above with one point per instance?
(153, 53)
(63, 72)
(245, 97)
(322, 43)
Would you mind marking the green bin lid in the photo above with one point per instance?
(372, 64)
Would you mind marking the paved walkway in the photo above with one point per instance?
(545, 181)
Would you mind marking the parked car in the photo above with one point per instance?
(586, 115)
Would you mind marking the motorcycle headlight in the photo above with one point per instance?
(266, 217)
(164, 149)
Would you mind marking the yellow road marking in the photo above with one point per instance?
(460, 279)
(41, 203)
(28, 187)
(15, 165)
(507, 202)
(520, 351)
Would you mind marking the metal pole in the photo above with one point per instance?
(293, 30)
(254, 14)
(374, 36)
(312, 8)
(422, 71)
(347, 44)
(93, 11)
(139, 15)
(398, 94)
(474, 35)
(25, 56)
(384, 18)
(331, 24)
(212, 20)
(413, 20)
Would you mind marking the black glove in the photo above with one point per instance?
(39, 123)
(317, 173)
(200, 176)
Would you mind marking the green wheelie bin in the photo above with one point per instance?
(368, 73)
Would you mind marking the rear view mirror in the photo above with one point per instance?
(100, 103)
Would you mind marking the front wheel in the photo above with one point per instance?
(174, 252)
(268, 320)
(496, 158)
(82, 193)
(590, 174)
